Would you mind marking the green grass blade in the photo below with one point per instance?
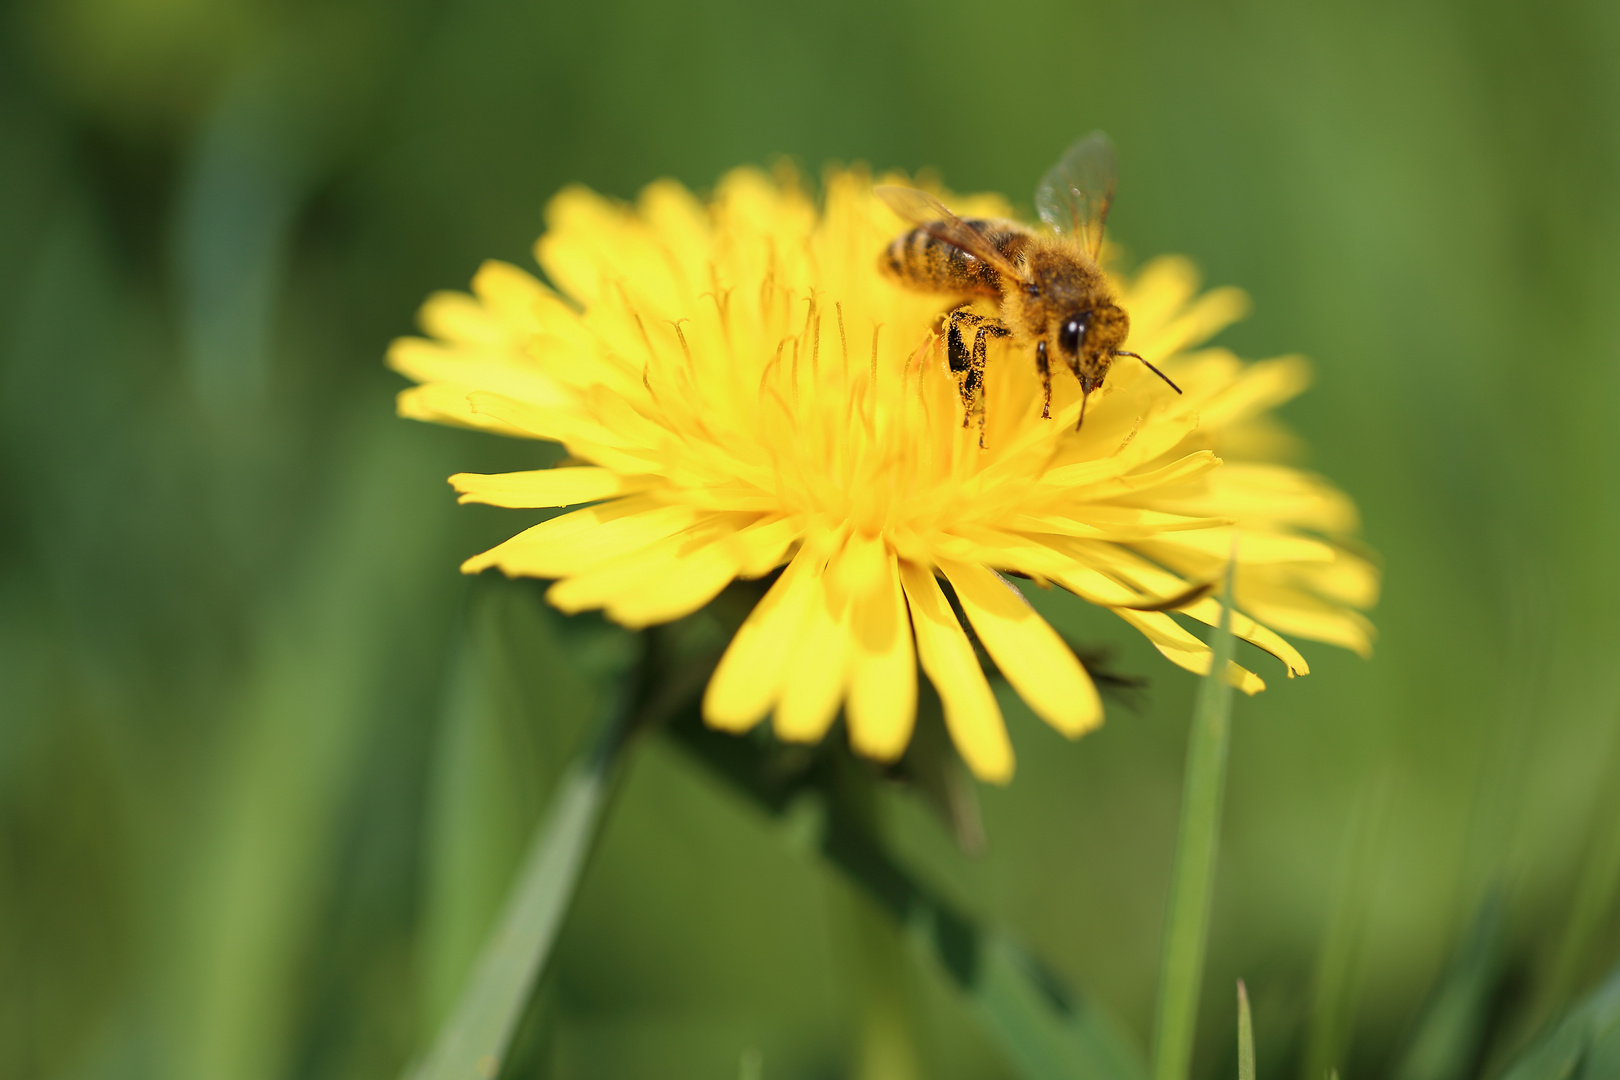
(1336, 983)
(473, 1041)
(1187, 915)
(1596, 891)
(1586, 1043)
(516, 708)
(1245, 1035)
(1045, 1030)
(1455, 1022)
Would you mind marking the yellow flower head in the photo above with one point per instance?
(752, 394)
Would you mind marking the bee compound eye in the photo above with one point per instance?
(1073, 329)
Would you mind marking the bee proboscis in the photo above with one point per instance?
(1051, 293)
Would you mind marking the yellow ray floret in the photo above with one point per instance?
(742, 394)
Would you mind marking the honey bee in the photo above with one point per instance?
(1051, 293)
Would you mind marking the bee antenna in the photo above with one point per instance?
(1150, 367)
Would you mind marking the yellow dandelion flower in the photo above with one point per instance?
(752, 395)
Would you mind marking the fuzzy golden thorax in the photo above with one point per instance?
(1066, 301)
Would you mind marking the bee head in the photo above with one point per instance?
(1088, 339)
(1071, 335)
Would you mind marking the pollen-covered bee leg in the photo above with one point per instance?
(956, 349)
(976, 371)
(1044, 367)
(972, 387)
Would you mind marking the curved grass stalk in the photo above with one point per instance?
(1186, 929)
(473, 1042)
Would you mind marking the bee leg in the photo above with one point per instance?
(956, 350)
(973, 400)
(976, 371)
(1044, 366)
(955, 345)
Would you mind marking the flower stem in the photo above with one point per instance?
(1187, 916)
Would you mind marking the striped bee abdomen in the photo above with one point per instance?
(924, 261)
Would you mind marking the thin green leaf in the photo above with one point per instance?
(1586, 1043)
(1045, 1030)
(1187, 915)
(1603, 1056)
(1245, 1035)
(1336, 985)
(1450, 1033)
(474, 1040)
(516, 704)
(1594, 898)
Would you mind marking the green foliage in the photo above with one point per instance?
(1245, 1034)
(1450, 1030)
(268, 764)
(472, 1043)
(1586, 1043)
(1192, 878)
(1041, 1026)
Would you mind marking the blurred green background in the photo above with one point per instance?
(267, 761)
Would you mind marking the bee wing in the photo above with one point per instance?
(1074, 195)
(922, 209)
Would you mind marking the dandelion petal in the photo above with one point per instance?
(971, 712)
(542, 487)
(1037, 663)
(749, 678)
(654, 584)
(814, 686)
(883, 674)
